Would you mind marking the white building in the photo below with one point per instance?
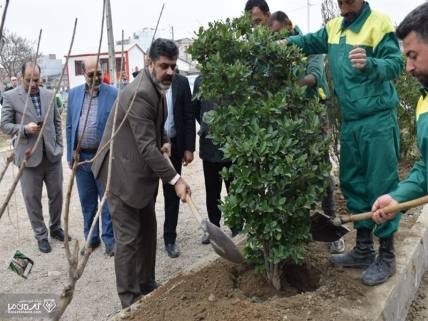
(133, 56)
(50, 66)
(144, 38)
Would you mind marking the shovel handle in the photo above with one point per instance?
(389, 209)
(193, 208)
(189, 200)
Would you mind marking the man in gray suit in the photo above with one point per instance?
(44, 165)
(137, 165)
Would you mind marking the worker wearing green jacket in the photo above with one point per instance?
(414, 33)
(364, 57)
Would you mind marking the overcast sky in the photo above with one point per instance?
(56, 17)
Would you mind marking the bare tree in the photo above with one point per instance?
(16, 50)
(329, 10)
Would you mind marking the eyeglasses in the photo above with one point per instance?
(341, 2)
(93, 74)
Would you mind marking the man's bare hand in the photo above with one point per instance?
(166, 149)
(282, 42)
(187, 158)
(379, 215)
(32, 128)
(358, 57)
(182, 189)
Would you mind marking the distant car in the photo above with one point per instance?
(192, 79)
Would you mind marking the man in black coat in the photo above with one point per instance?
(213, 163)
(180, 128)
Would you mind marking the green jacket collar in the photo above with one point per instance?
(356, 25)
(297, 30)
(424, 91)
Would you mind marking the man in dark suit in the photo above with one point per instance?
(97, 99)
(213, 162)
(44, 165)
(180, 128)
(137, 165)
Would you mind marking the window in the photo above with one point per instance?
(78, 67)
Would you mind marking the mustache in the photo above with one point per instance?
(349, 16)
(167, 78)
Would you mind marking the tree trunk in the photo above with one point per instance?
(273, 271)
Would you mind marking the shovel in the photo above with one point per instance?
(329, 229)
(221, 243)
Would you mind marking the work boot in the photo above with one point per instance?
(384, 265)
(361, 256)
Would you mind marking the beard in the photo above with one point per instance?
(423, 79)
(350, 17)
(163, 84)
(95, 84)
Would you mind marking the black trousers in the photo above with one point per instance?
(213, 182)
(328, 202)
(172, 202)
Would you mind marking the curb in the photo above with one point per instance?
(401, 289)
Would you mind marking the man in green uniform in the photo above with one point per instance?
(364, 57)
(259, 10)
(316, 84)
(414, 33)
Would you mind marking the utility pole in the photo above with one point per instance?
(110, 39)
(308, 5)
(172, 33)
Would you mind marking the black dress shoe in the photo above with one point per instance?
(58, 234)
(148, 287)
(172, 250)
(109, 250)
(236, 231)
(44, 246)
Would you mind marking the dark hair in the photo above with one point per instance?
(163, 47)
(24, 66)
(261, 4)
(415, 21)
(279, 16)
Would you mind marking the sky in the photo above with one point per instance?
(56, 18)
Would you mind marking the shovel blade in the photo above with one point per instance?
(323, 229)
(222, 244)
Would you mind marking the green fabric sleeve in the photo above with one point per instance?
(311, 43)
(315, 67)
(387, 62)
(414, 186)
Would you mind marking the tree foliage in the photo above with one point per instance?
(15, 51)
(270, 131)
(408, 93)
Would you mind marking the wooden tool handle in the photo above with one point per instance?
(189, 200)
(193, 208)
(389, 209)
